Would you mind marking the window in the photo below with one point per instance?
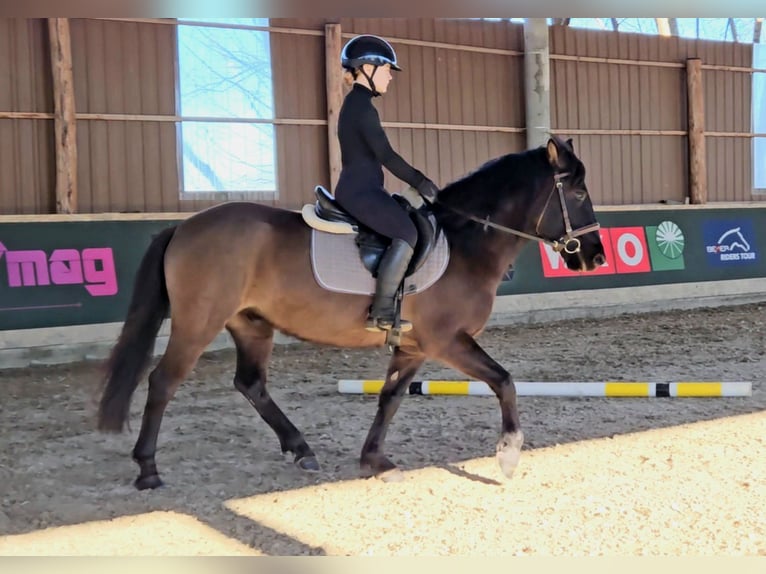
(759, 118)
(226, 102)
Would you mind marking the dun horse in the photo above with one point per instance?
(246, 267)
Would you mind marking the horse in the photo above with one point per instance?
(245, 267)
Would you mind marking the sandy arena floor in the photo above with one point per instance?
(599, 476)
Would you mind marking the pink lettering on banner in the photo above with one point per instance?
(27, 268)
(98, 266)
(93, 268)
(65, 267)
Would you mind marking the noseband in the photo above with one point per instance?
(569, 242)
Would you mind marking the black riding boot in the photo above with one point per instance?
(391, 271)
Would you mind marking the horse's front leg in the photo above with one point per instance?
(401, 371)
(465, 354)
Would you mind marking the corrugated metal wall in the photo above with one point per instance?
(298, 73)
(126, 68)
(471, 74)
(635, 169)
(728, 109)
(27, 162)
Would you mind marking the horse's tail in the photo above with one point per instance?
(148, 307)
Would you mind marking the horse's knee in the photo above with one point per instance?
(253, 389)
(242, 386)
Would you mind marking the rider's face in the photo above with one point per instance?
(381, 78)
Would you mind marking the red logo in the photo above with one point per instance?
(625, 249)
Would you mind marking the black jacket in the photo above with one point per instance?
(364, 145)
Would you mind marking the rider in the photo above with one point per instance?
(368, 61)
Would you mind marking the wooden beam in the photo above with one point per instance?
(453, 127)
(334, 87)
(663, 26)
(595, 132)
(697, 160)
(65, 122)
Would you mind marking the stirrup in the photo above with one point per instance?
(378, 325)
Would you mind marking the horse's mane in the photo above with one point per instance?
(481, 191)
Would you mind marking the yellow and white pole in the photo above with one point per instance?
(562, 389)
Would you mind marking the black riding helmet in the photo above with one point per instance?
(368, 49)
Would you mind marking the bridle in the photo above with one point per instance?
(569, 242)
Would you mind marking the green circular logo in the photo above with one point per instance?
(670, 239)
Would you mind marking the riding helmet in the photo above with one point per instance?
(368, 49)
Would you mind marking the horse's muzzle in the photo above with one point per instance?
(599, 260)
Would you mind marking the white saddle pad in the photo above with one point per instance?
(337, 266)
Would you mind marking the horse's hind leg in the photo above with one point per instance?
(254, 338)
(401, 370)
(176, 364)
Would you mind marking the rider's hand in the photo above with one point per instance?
(428, 189)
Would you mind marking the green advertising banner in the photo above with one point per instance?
(73, 273)
(655, 247)
(81, 272)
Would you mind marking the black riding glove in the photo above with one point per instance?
(428, 189)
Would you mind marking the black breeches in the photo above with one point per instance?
(376, 209)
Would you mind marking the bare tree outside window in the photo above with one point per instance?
(719, 29)
(759, 118)
(225, 78)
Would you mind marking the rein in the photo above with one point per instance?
(568, 243)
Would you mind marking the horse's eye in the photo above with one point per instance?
(580, 194)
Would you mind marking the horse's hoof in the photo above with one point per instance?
(378, 466)
(392, 475)
(509, 452)
(146, 482)
(307, 463)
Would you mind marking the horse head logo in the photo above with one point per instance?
(738, 240)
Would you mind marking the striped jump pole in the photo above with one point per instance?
(562, 389)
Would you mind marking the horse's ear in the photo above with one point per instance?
(570, 143)
(553, 153)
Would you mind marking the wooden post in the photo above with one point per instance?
(697, 159)
(334, 79)
(64, 116)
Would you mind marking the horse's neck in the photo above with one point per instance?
(507, 251)
(488, 253)
(494, 248)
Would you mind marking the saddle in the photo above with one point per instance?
(327, 215)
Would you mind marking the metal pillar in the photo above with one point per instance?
(537, 81)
